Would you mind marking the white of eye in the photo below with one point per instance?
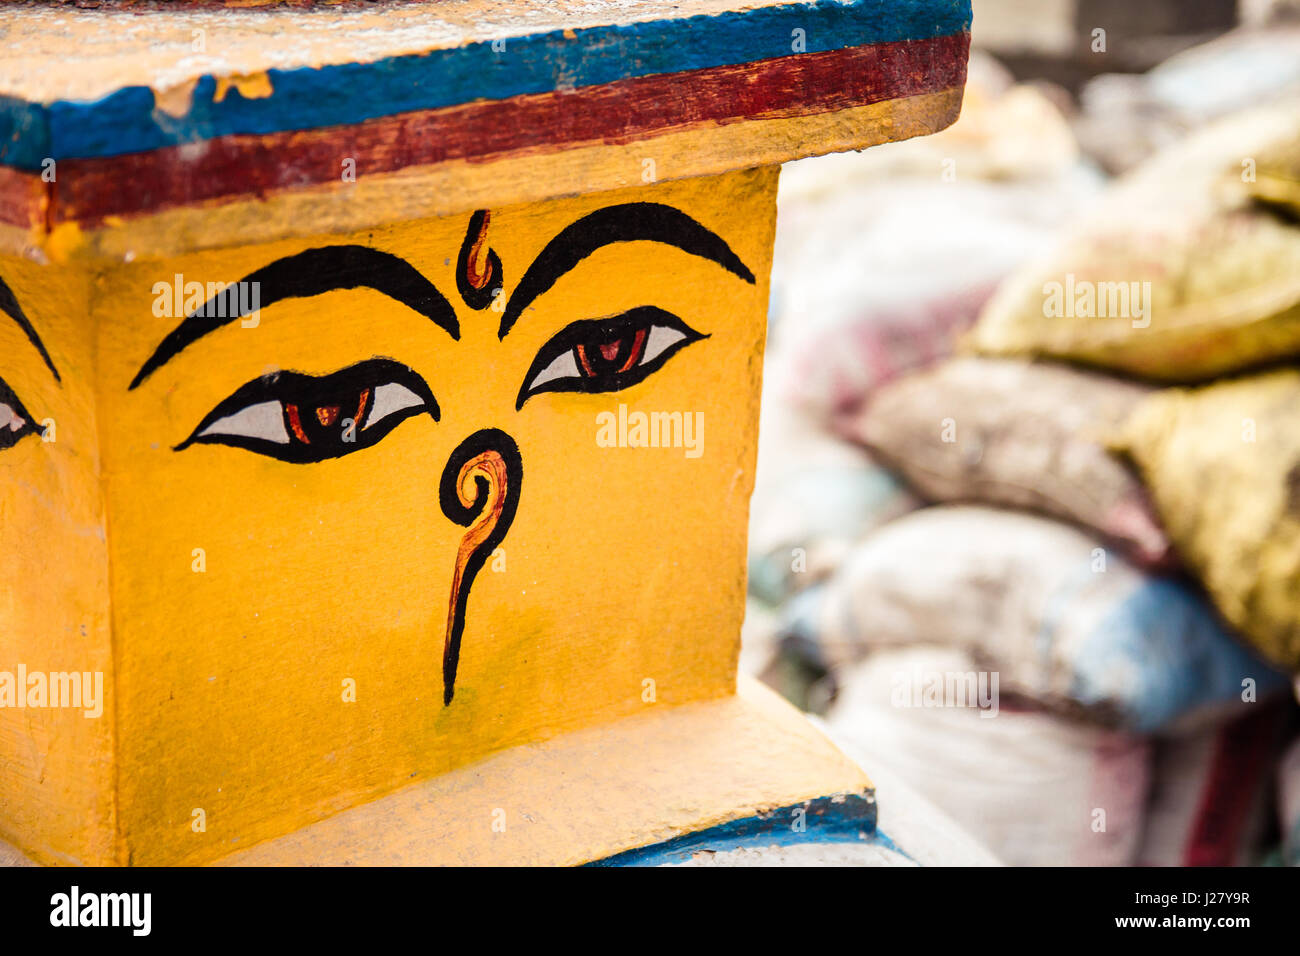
(10, 419)
(661, 337)
(391, 398)
(263, 420)
(564, 366)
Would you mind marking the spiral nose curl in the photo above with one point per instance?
(479, 490)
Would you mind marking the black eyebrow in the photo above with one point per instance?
(309, 273)
(10, 307)
(626, 222)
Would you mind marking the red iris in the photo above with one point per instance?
(614, 356)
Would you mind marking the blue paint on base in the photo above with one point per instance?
(308, 98)
(846, 818)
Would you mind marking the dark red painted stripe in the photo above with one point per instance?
(22, 198)
(616, 113)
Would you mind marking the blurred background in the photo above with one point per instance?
(1026, 528)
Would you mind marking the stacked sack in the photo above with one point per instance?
(882, 258)
(1209, 231)
(1221, 454)
(1081, 660)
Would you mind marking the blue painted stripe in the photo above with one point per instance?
(848, 818)
(310, 98)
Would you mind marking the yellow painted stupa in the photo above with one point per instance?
(378, 411)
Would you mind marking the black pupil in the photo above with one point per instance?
(327, 419)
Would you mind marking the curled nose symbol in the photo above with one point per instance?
(479, 490)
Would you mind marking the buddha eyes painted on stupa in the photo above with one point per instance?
(607, 355)
(306, 418)
(301, 418)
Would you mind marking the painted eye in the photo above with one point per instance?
(15, 421)
(606, 355)
(303, 418)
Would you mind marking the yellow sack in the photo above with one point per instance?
(1223, 465)
(1179, 275)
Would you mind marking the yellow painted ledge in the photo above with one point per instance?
(585, 795)
(588, 794)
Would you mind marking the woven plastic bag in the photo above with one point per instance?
(1223, 466)
(1035, 788)
(1174, 277)
(1017, 434)
(1064, 623)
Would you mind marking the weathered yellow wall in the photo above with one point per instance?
(622, 564)
(56, 763)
